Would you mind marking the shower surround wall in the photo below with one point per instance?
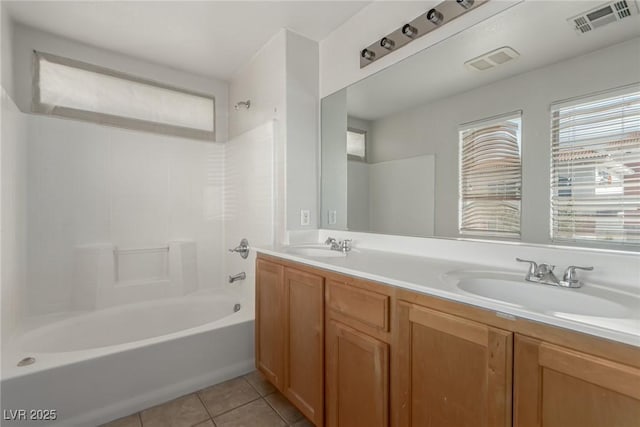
(13, 224)
(249, 200)
(95, 189)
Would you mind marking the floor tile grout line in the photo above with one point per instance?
(302, 416)
(264, 397)
(244, 377)
(277, 412)
(204, 421)
(252, 386)
(197, 393)
(139, 413)
(237, 407)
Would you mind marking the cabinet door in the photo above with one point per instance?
(452, 371)
(270, 321)
(558, 387)
(357, 378)
(304, 345)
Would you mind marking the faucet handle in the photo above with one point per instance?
(570, 274)
(533, 266)
(329, 241)
(345, 245)
(242, 248)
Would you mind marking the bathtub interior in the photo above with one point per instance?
(129, 323)
(65, 338)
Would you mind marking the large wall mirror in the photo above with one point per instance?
(522, 127)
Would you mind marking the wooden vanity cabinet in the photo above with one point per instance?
(290, 334)
(452, 371)
(559, 387)
(349, 353)
(357, 354)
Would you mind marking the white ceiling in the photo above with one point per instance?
(538, 30)
(211, 38)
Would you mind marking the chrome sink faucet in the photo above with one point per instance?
(337, 245)
(543, 273)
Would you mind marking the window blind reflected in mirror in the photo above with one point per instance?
(491, 177)
(595, 175)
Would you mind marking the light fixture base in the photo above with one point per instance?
(447, 11)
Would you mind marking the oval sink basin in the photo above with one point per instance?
(315, 252)
(585, 301)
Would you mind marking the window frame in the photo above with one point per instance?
(109, 119)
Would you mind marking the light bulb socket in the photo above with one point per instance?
(435, 16)
(465, 3)
(367, 54)
(387, 43)
(409, 31)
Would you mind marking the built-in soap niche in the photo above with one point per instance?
(106, 275)
(141, 265)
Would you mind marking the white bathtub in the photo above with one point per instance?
(96, 366)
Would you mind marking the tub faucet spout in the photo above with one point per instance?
(239, 276)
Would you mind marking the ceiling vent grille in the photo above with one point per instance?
(602, 15)
(492, 59)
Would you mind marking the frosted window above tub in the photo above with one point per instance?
(72, 89)
(595, 174)
(491, 177)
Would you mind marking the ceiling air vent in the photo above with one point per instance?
(492, 59)
(603, 15)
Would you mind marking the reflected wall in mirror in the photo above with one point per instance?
(424, 172)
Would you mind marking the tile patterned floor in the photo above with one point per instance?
(248, 401)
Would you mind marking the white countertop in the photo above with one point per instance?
(426, 275)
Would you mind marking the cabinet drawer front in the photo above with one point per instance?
(370, 308)
(462, 328)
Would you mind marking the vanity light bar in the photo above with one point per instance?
(436, 17)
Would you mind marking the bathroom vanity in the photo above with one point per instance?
(348, 351)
